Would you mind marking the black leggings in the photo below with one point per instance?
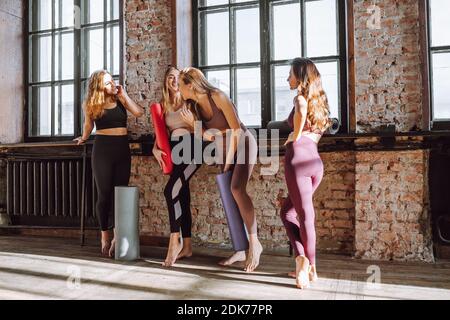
(111, 164)
(177, 192)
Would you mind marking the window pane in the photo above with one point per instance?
(207, 3)
(286, 31)
(41, 14)
(247, 35)
(217, 49)
(92, 51)
(220, 79)
(41, 111)
(321, 28)
(330, 83)
(440, 22)
(113, 53)
(41, 50)
(441, 85)
(93, 11)
(67, 13)
(56, 119)
(67, 110)
(284, 96)
(249, 96)
(64, 52)
(112, 10)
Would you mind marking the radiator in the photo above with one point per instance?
(48, 192)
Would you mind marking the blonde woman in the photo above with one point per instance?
(105, 106)
(178, 117)
(309, 119)
(217, 112)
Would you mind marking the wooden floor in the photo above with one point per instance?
(48, 268)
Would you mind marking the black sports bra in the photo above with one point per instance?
(113, 118)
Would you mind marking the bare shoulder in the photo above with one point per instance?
(301, 101)
(220, 98)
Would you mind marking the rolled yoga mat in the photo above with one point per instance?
(127, 223)
(162, 137)
(235, 223)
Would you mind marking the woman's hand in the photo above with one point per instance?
(188, 116)
(135, 109)
(80, 141)
(290, 139)
(158, 155)
(208, 136)
(121, 93)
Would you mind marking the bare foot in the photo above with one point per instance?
(112, 250)
(236, 257)
(302, 272)
(185, 253)
(254, 253)
(292, 274)
(313, 273)
(106, 245)
(175, 248)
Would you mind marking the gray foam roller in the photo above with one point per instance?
(127, 223)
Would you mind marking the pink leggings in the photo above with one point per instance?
(303, 173)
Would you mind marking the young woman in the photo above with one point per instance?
(178, 118)
(106, 106)
(217, 112)
(309, 119)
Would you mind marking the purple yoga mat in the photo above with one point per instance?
(235, 223)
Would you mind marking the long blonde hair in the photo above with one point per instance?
(200, 84)
(95, 98)
(310, 82)
(166, 102)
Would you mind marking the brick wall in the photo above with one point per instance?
(334, 204)
(392, 206)
(148, 34)
(388, 65)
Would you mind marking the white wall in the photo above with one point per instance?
(11, 71)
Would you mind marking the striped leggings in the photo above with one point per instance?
(177, 192)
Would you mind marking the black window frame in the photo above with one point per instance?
(444, 124)
(266, 63)
(78, 60)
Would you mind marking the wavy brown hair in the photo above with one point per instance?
(310, 85)
(95, 98)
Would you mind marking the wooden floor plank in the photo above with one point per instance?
(48, 268)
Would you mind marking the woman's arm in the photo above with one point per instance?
(87, 129)
(224, 103)
(128, 103)
(301, 110)
(189, 119)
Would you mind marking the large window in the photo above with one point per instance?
(67, 41)
(439, 38)
(244, 47)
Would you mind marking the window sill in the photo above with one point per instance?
(329, 143)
